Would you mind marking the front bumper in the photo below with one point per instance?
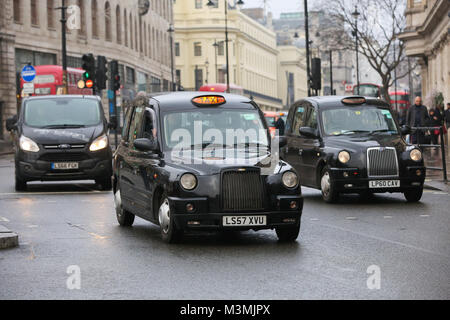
(357, 181)
(201, 219)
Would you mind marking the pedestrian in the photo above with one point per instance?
(447, 119)
(436, 120)
(417, 117)
(279, 125)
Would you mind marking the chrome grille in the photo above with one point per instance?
(382, 162)
(242, 190)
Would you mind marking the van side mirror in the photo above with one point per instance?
(309, 132)
(406, 130)
(145, 145)
(11, 123)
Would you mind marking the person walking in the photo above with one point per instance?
(280, 126)
(447, 120)
(417, 117)
(436, 120)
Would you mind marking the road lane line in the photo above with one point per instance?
(3, 219)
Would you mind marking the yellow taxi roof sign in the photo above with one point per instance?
(354, 100)
(208, 100)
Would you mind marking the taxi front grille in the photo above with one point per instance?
(242, 190)
(382, 162)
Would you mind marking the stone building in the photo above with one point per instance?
(30, 32)
(292, 85)
(427, 37)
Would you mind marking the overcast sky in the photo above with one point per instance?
(276, 6)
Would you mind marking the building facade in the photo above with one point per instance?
(252, 51)
(291, 74)
(30, 32)
(427, 37)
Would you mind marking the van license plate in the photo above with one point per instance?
(244, 221)
(375, 184)
(65, 165)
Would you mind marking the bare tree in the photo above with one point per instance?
(379, 23)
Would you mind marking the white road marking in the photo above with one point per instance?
(387, 217)
(3, 219)
(351, 218)
(424, 215)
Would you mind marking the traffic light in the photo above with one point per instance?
(316, 74)
(102, 72)
(115, 76)
(89, 70)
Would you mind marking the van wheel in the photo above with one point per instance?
(329, 193)
(169, 231)
(104, 183)
(288, 234)
(413, 195)
(124, 217)
(21, 185)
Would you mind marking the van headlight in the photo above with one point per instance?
(99, 143)
(344, 157)
(416, 155)
(26, 144)
(290, 179)
(188, 181)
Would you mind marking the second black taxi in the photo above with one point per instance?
(193, 162)
(352, 145)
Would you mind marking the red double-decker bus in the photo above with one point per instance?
(400, 99)
(222, 87)
(49, 78)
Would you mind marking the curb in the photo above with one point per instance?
(8, 239)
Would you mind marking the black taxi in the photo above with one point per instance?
(188, 161)
(351, 145)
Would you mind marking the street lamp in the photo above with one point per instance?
(211, 4)
(171, 30)
(207, 69)
(356, 14)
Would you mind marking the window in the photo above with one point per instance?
(34, 13)
(198, 78)
(197, 49)
(298, 120)
(50, 10)
(177, 49)
(94, 18)
(125, 25)
(198, 4)
(128, 115)
(131, 32)
(118, 25)
(135, 125)
(82, 18)
(107, 21)
(17, 11)
(221, 48)
(311, 122)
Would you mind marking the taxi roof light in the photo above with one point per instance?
(208, 100)
(354, 100)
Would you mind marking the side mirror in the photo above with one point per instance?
(145, 145)
(282, 141)
(309, 132)
(11, 123)
(406, 130)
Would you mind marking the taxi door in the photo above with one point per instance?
(293, 150)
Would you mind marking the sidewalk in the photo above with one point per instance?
(5, 148)
(435, 179)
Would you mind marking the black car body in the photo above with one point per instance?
(322, 131)
(150, 182)
(59, 138)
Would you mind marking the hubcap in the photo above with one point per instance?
(118, 203)
(164, 216)
(325, 184)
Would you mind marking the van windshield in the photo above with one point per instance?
(62, 112)
(352, 120)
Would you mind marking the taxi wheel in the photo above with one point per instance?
(169, 231)
(124, 217)
(413, 195)
(288, 234)
(327, 187)
(20, 184)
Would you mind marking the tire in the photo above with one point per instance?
(168, 229)
(413, 195)
(124, 217)
(104, 183)
(288, 234)
(20, 184)
(329, 193)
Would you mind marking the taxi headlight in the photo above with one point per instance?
(416, 155)
(290, 179)
(99, 143)
(344, 157)
(26, 144)
(188, 181)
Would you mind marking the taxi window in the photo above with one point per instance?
(135, 124)
(298, 119)
(127, 123)
(311, 122)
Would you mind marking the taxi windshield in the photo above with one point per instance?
(353, 120)
(62, 113)
(189, 129)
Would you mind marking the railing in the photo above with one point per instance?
(441, 146)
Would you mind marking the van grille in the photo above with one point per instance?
(64, 156)
(242, 190)
(382, 162)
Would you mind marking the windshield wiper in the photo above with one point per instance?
(58, 126)
(383, 130)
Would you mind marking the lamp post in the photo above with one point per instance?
(211, 4)
(207, 70)
(171, 30)
(64, 44)
(356, 14)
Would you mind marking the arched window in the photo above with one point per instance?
(107, 21)
(118, 25)
(50, 15)
(17, 11)
(94, 18)
(34, 13)
(125, 25)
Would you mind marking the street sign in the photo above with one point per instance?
(28, 88)
(28, 73)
